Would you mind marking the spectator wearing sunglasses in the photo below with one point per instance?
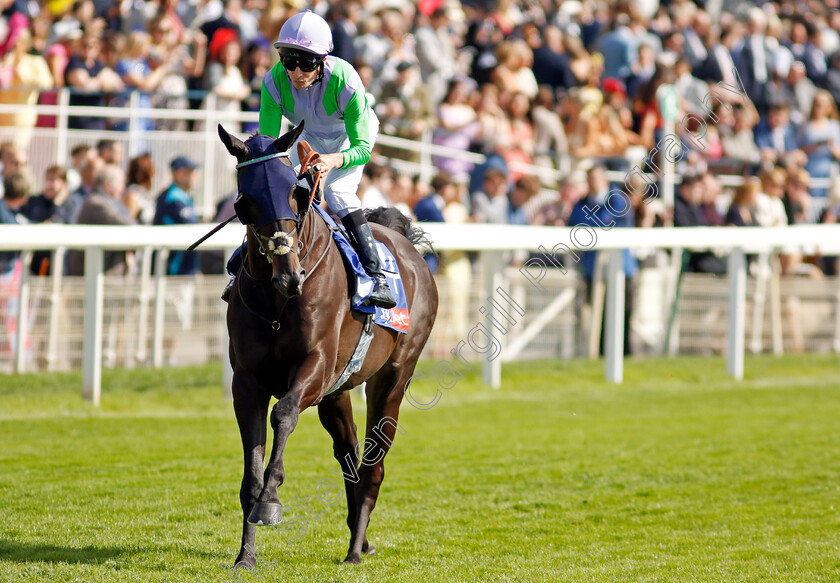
(327, 93)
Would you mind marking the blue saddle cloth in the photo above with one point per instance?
(396, 318)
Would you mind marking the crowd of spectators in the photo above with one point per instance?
(539, 83)
(528, 82)
(95, 190)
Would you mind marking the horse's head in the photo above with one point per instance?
(272, 202)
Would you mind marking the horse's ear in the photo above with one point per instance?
(284, 142)
(234, 145)
(247, 209)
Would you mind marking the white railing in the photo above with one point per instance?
(493, 241)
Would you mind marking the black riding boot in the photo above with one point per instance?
(227, 290)
(362, 239)
(234, 263)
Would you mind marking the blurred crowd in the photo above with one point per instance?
(95, 190)
(571, 85)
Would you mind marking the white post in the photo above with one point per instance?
(614, 341)
(94, 302)
(62, 123)
(737, 273)
(776, 306)
(673, 307)
(210, 144)
(597, 305)
(759, 300)
(134, 130)
(23, 312)
(668, 175)
(160, 307)
(143, 316)
(492, 265)
(666, 97)
(55, 306)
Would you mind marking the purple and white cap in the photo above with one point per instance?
(306, 31)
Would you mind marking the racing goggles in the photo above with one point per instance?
(305, 62)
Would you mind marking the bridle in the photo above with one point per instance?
(281, 243)
(275, 324)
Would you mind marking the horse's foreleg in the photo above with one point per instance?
(251, 410)
(303, 391)
(383, 411)
(284, 416)
(336, 415)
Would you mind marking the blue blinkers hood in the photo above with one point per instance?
(267, 181)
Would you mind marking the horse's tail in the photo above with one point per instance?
(394, 219)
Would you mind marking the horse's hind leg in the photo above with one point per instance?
(251, 409)
(385, 392)
(336, 414)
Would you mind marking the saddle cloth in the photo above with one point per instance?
(396, 318)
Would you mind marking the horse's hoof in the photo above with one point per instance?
(368, 549)
(352, 560)
(266, 514)
(245, 561)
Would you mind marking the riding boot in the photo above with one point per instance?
(227, 290)
(233, 265)
(362, 239)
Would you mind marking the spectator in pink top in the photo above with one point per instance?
(16, 21)
(58, 54)
(457, 126)
(22, 76)
(521, 148)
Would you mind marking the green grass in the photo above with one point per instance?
(679, 474)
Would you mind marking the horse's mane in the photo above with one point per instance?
(394, 219)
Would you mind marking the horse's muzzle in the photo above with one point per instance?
(289, 285)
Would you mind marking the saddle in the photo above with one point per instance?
(396, 318)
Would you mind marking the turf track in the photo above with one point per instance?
(677, 475)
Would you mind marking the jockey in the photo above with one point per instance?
(327, 93)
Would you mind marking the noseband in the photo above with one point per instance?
(280, 243)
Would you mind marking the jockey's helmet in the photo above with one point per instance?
(306, 31)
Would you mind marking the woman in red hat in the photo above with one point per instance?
(223, 77)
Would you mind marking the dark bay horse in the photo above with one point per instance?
(292, 332)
